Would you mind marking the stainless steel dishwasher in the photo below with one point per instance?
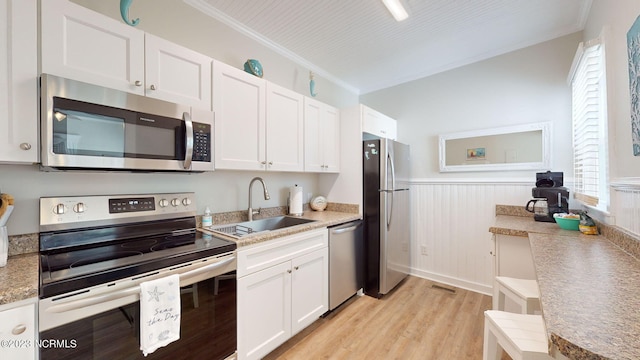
(346, 267)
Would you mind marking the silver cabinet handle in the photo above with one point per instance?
(152, 87)
(270, 163)
(263, 162)
(289, 271)
(19, 329)
(138, 83)
(25, 146)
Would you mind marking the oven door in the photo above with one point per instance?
(103, 322)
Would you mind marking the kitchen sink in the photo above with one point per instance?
(239, 230)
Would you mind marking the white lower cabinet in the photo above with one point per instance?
(18, 330)
(282, 288)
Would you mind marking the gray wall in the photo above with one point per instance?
(616, 17)
(521, 87)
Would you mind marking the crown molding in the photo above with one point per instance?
(209, 10)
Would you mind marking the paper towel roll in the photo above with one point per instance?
(295, 200)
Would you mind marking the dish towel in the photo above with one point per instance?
(159, 313)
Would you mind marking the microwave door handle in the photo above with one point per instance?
(188, 140)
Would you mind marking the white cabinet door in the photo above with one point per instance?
(309, 288)
(513, 257)
(84, 45)
(18, 330)
(264, 311)
(285, 129)
(376, 123)
(331, 139)
(177, 74)
(240, 126)
(322, 137)
(18, 81)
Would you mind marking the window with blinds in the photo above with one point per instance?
(588, 87)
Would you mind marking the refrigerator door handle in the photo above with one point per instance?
(390, 213)
(393, 172)
(393, 187)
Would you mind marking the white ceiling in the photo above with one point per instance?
(358, 44)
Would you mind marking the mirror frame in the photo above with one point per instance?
(546, 149)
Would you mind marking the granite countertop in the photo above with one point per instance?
(590, 295)
(322, 219)
(19, 278)
(523, 226)
(589, 286)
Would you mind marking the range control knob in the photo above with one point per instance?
(175, 202)
(58, 209)
(186, 201)
(79, 207)
(163, 203)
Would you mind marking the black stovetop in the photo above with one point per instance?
(75, 260)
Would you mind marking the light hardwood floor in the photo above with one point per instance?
(415, 321)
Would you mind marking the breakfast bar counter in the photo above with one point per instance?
(590, 296)
(589, 288)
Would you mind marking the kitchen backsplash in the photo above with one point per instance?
(23, 244)
(28, 243)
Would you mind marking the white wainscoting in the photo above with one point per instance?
(452, 219)
(625, 194)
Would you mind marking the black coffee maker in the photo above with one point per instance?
(549, 196)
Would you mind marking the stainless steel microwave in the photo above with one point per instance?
(84, 126)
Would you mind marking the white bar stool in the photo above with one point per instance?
(523, 292)
(521, 336)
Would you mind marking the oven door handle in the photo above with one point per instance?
(132, 291)
(78, 304)
(207, 268)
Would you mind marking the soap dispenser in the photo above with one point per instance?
(206, 218)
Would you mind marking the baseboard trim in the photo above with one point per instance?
(459, 283)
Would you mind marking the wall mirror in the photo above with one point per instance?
(520, 147)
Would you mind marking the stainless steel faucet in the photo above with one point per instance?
(266, 197)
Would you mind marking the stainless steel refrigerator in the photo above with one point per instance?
(387, 225)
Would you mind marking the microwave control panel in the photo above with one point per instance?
(201, 142)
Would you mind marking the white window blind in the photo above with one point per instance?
(588, 87)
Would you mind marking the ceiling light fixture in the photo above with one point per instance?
(396, 9)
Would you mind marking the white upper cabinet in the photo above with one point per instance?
(240, 119)
(84, 45)
(378, 124)
(81, 44)
(321, 137)
(177, 74)
(258, 125)
(18, 81)
(285, 129)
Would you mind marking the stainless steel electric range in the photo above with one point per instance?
(95, 252)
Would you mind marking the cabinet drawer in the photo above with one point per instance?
(273, 252)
